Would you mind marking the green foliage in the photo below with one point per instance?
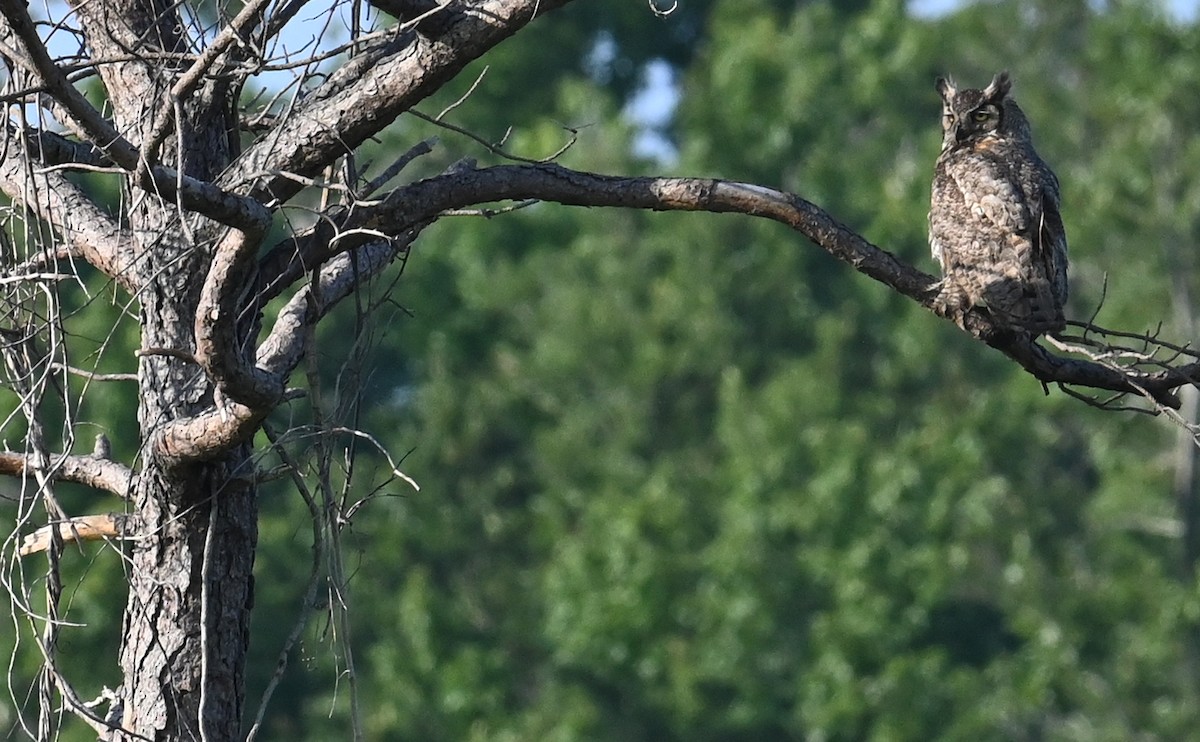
(686, 477)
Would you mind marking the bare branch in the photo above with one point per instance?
(463, 98)
(90, 121)
(419, 202)
(88, 231)
(247, 18)
(95, 472)
(276, 22)
(204, 436)
(55, 149)
(412, 206)
(496, 149)
(492, 213)
(1146, 338)
(364, 96)
(208, 434)
(93, 375)
(82, 528)
(194, 194)
(218, 346)
(423, 147)
(284, 347)
(396, 472)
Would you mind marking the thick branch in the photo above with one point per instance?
(218, 343)
(421, 201)
(371, 90)
(407, 210)
(87, 230)
(195, 195)
(207, 435)
(284, 347)
(93, 471)
(424, 200)
(50, 148)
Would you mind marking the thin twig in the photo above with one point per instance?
(489, 213)
(314, 578)
(496, 149)
(92, 375)
(423, 147)
(462, 98)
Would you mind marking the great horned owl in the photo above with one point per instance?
(994, 222)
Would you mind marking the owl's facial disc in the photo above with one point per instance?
(978, 122)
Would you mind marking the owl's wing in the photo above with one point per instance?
(1051, 249)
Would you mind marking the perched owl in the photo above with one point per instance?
(994, 222)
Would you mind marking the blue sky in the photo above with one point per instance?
(1182, 10)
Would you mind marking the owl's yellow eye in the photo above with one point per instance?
(980, 116)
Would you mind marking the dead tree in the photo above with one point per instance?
(203, 177)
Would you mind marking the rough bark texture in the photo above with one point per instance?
(176, 654)
(186, 622)
(187, 247)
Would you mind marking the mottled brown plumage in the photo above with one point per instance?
(994, 221)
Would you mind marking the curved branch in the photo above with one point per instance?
(284, 347)
(425, 200)
(218, 342)
(422, 201)
(206, 435)
(93, 471)
(407, 210)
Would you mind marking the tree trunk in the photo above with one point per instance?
(191, 585)
(186, 621)
(191, 588)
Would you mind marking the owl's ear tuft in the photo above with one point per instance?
(998, 87)
(945, 88)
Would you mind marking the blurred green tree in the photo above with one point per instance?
(684, 477)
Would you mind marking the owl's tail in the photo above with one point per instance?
(1025, 305)
(1015, 304)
